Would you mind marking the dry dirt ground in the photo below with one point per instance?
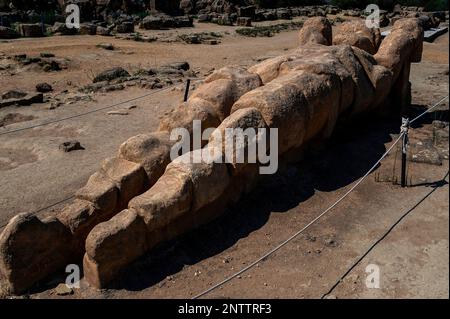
(412, 256)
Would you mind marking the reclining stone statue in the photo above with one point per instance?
(140, 198)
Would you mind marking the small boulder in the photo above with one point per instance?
(357, 34)
(244, 22)
(63, 290)
(106, 46)
(177, 66)
(8, 33)
(192, 39)
(61, 28)
(248, 11)
(12, 118)
(50, 65)
(316, 31)
(103, 31)
(31, 249)
(202, 18)
(183, 22)
(118, 112)
(27, 99)
(224, 20)
(13, 94)
(152, 23)
(397, 9)
(44, 87)
(111, 74)
(101, 191)
(284, 14)
(187, 6)
(70, 146)
(112, 245)
(31, 30)
(46, 55)
(125, 27)
(88, 29)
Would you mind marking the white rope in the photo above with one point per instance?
(428, 110)
(403, 131)
(92, 111)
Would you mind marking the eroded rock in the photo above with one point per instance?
(44, 87)
(31, 249)
(111, 74)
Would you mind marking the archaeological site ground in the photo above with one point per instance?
(224, 149)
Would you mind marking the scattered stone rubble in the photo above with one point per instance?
(106, 81)
(46, 62)
(152, 78)
(269, 31)
(44, 87)
(70, 146)
(20, 98)
(125, 16)
(12, 118)
(139, 198)
(427, 145)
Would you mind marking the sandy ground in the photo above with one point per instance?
(36, 151)
(413, 257)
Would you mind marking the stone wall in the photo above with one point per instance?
(139, 198)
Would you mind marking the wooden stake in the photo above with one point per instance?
(186, 92)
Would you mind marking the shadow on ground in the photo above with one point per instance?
(346, 157)
(342, 160)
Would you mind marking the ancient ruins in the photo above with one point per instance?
(140, 198)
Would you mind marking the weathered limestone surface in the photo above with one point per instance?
(166, 200)
(80, 217)
(209, 179)
(357, 34)
(316, 30)
(129, 178)
(211, 103)
(194, 109)
(399, 49)
(140, 198)
(151, 151)
(247, 118)
(31, 249)
(282, 105)
(112, 244)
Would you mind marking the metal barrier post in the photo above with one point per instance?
(404, 130)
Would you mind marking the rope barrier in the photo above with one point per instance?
(44, 208)
(265, 256)
(428, 110)
(79, 115)
(403, 131)
(341, 279)
(92, 111)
